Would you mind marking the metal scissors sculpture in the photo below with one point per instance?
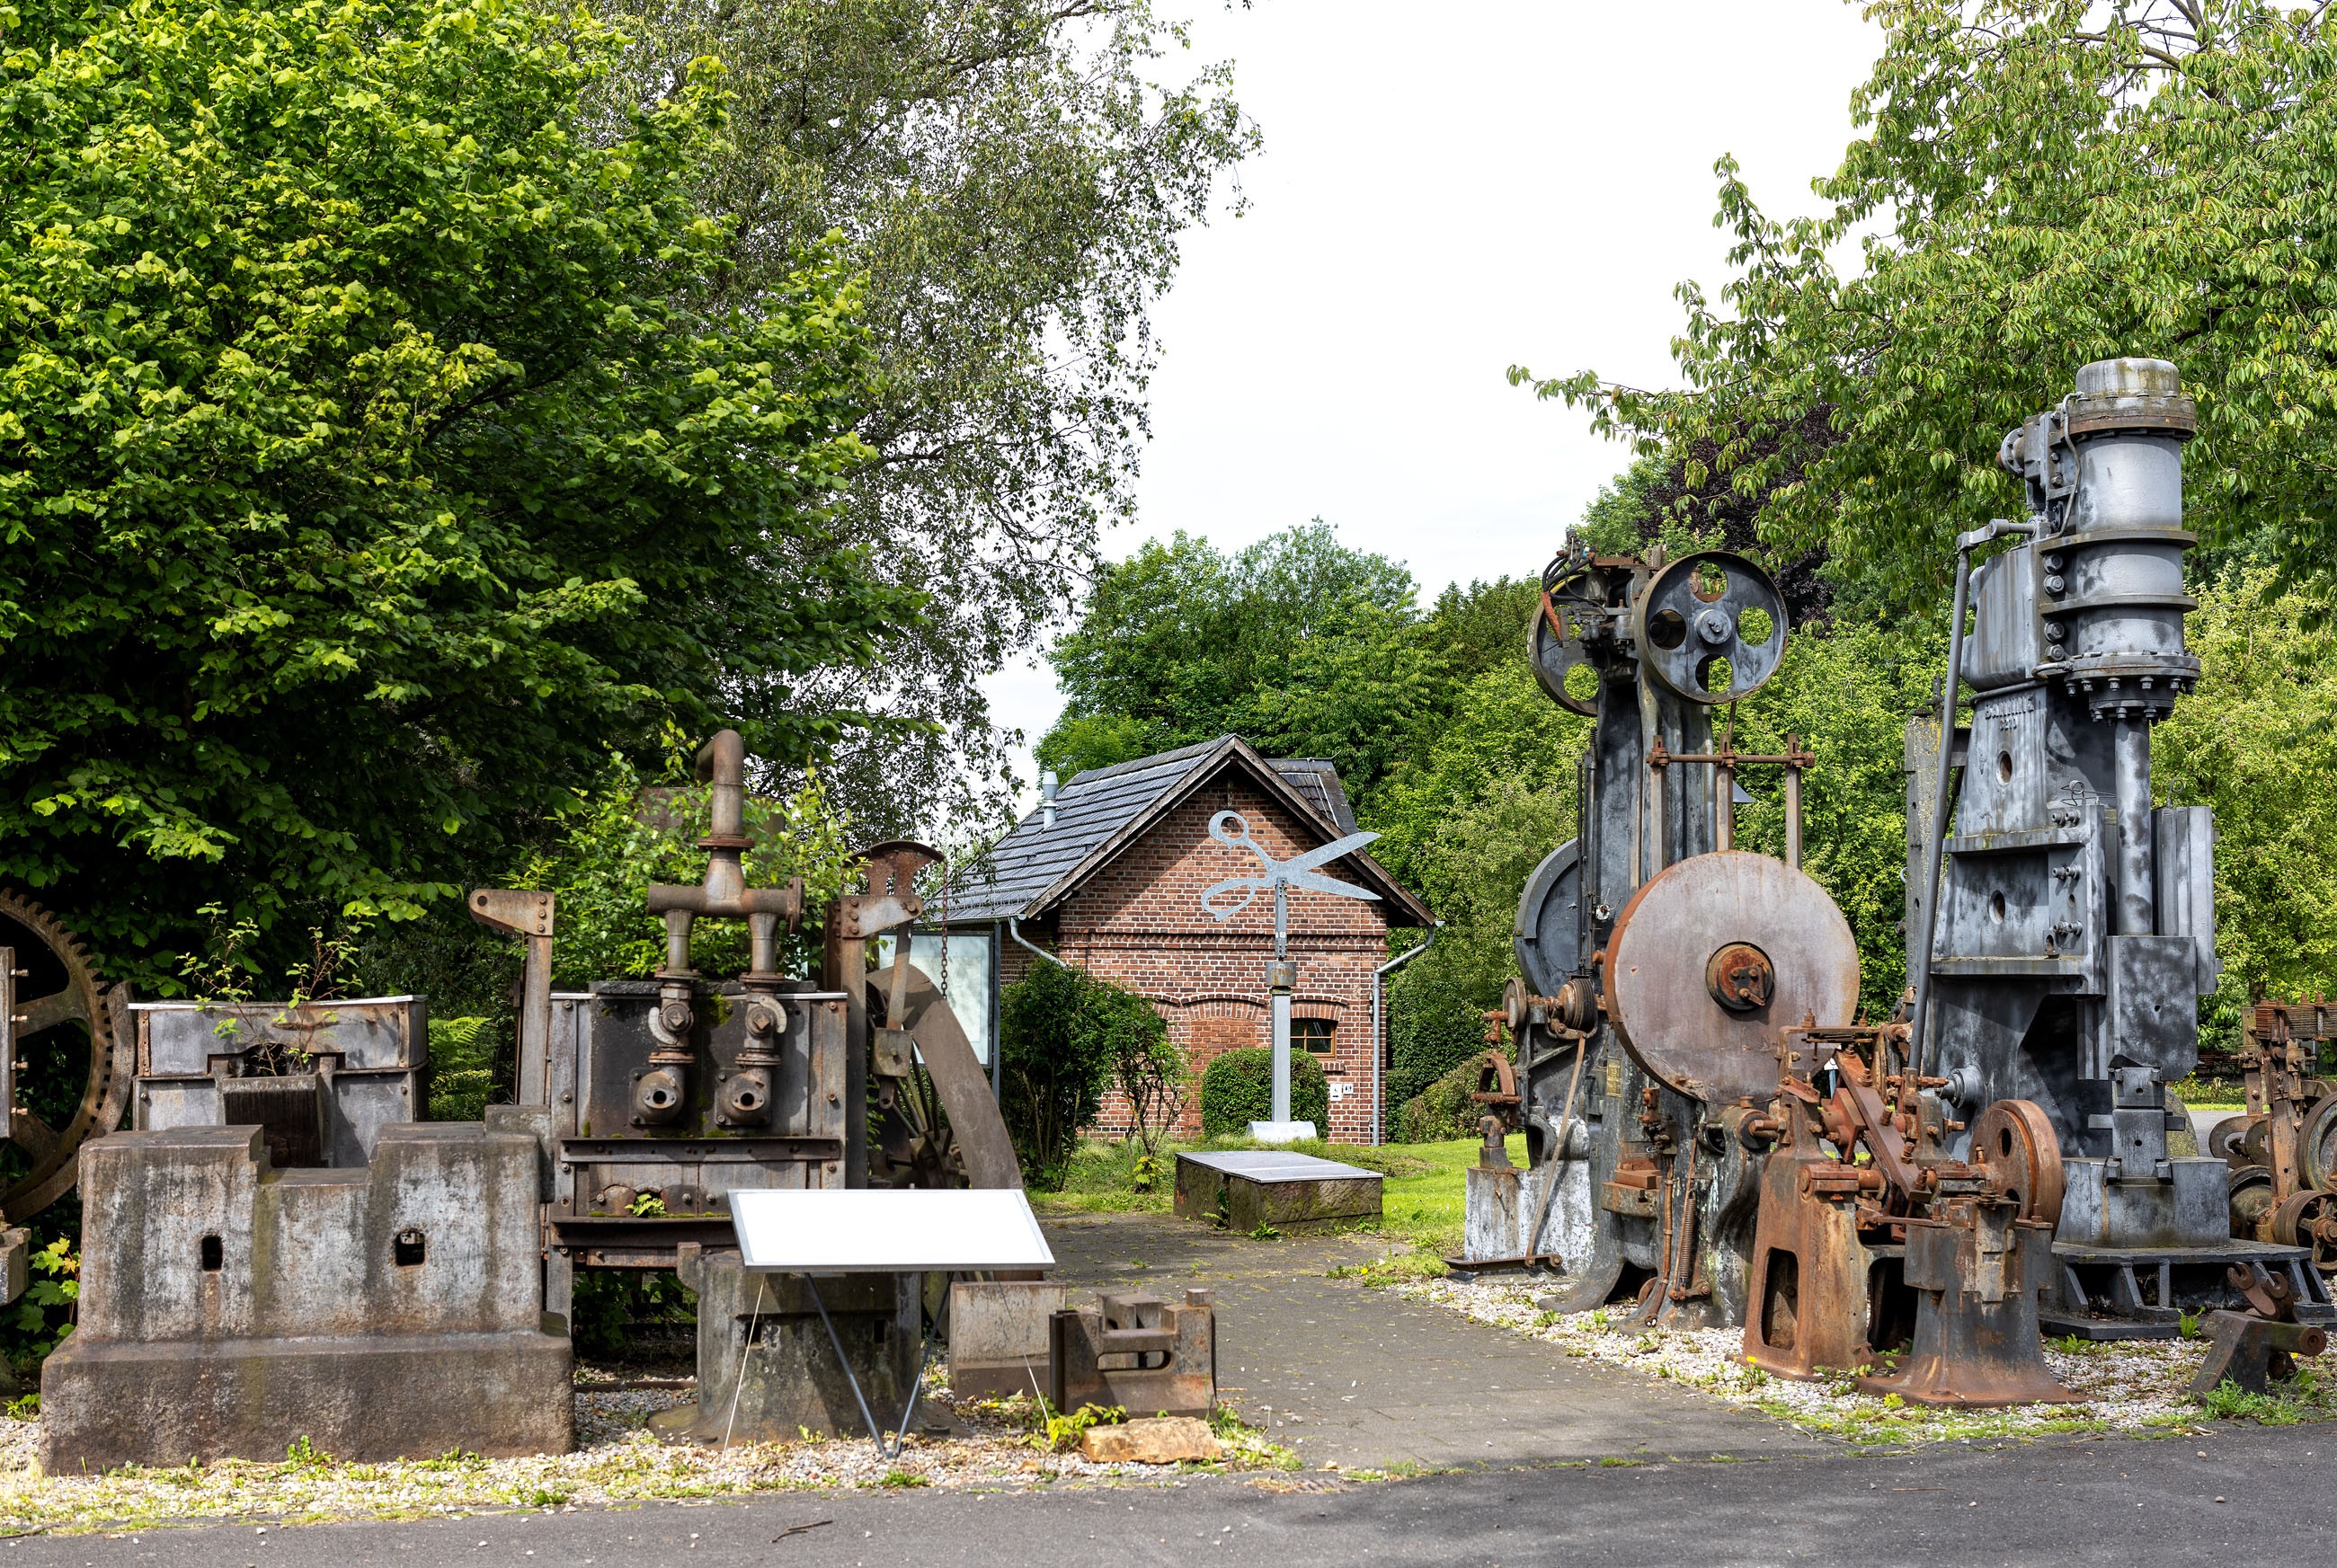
(1277, 877)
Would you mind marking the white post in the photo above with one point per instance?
(1281, 979)
(1281, 1054)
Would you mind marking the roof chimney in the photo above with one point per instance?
(1046, 788)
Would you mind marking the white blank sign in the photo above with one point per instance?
(884, 1229)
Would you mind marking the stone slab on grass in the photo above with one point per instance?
(1271, 1187)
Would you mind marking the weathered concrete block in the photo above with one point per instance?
(1248, 1188)
(1154, 1440)
(766, 1369)
(1311, 1204)
(228, 1308)
(397, 1396)
(998, 1335)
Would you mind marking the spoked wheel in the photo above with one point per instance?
(2316, 1145)
(74, 1066)
(2309, 1220)
(2223, 1140)
(937, 1124)
(2013, 1141)
(2252, 1202)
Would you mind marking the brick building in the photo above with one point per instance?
(1110, 878)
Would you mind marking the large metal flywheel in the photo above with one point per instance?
(69, 1062)
(937, 1124)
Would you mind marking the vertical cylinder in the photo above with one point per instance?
(1724, 806)
(1794, 815)
(1281, 1054)
(2137, 911)
(534, 1022)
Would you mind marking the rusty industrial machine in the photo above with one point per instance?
(1710, 1133)
(657, 1099)
(283, 1244)
(2282, 1151)
(1659, 965)
(1873, 1245)
(67, 1055)
(2060, 927)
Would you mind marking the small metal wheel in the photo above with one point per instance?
(72, 1069)
(1711, 627)
(2252, 1202)
(2223, 1142)
(1555, 658)
(2254, 1144)
(2309, 1220)
(1497, 1088)
(2013, 1141)
(2316, 1145)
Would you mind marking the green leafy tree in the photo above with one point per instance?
(1297, 643)
(2038, 183)
(2258, 742)
(1063, 1036)
(1013, 179)
(370, 462)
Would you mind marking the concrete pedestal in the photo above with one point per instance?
(766, 1369)
(1248, 1188)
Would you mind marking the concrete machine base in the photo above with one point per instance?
(229, 1309)
(358, 1398)
(767, 1370)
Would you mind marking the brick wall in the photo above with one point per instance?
(1138, 923)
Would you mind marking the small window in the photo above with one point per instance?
(214, 1255)
(406, 1247)
(1312, 1035)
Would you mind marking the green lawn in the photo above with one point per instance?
(1421, 1198)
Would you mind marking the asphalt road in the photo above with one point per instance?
(2259, 1497)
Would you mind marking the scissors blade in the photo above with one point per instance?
(1318, 882)
(1328, 853)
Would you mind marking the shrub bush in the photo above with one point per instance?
(1237, 1088)
(1063, 1035)
(1444, 1109)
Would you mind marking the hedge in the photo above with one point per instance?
(1237, 1088)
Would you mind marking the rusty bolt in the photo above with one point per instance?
(1740, 977)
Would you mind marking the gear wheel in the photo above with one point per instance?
(70, 1022)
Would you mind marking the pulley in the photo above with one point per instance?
(1711, 627)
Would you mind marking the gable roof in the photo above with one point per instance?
(1102, 811)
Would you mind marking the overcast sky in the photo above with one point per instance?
(1445, 191)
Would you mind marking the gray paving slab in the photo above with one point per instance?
(1342, 1372)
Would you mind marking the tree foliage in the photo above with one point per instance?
(371, 462)
(1064, 1037)
(1298, 644)
(2258, 742)
(2038, 183)
(1012, 178)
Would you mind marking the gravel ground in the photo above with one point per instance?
(2136, 1385)
(615, 1461)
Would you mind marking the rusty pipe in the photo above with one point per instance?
(722, 762)
(1926, 931)
(1794, 804)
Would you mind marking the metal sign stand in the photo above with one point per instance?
(1279, 877)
